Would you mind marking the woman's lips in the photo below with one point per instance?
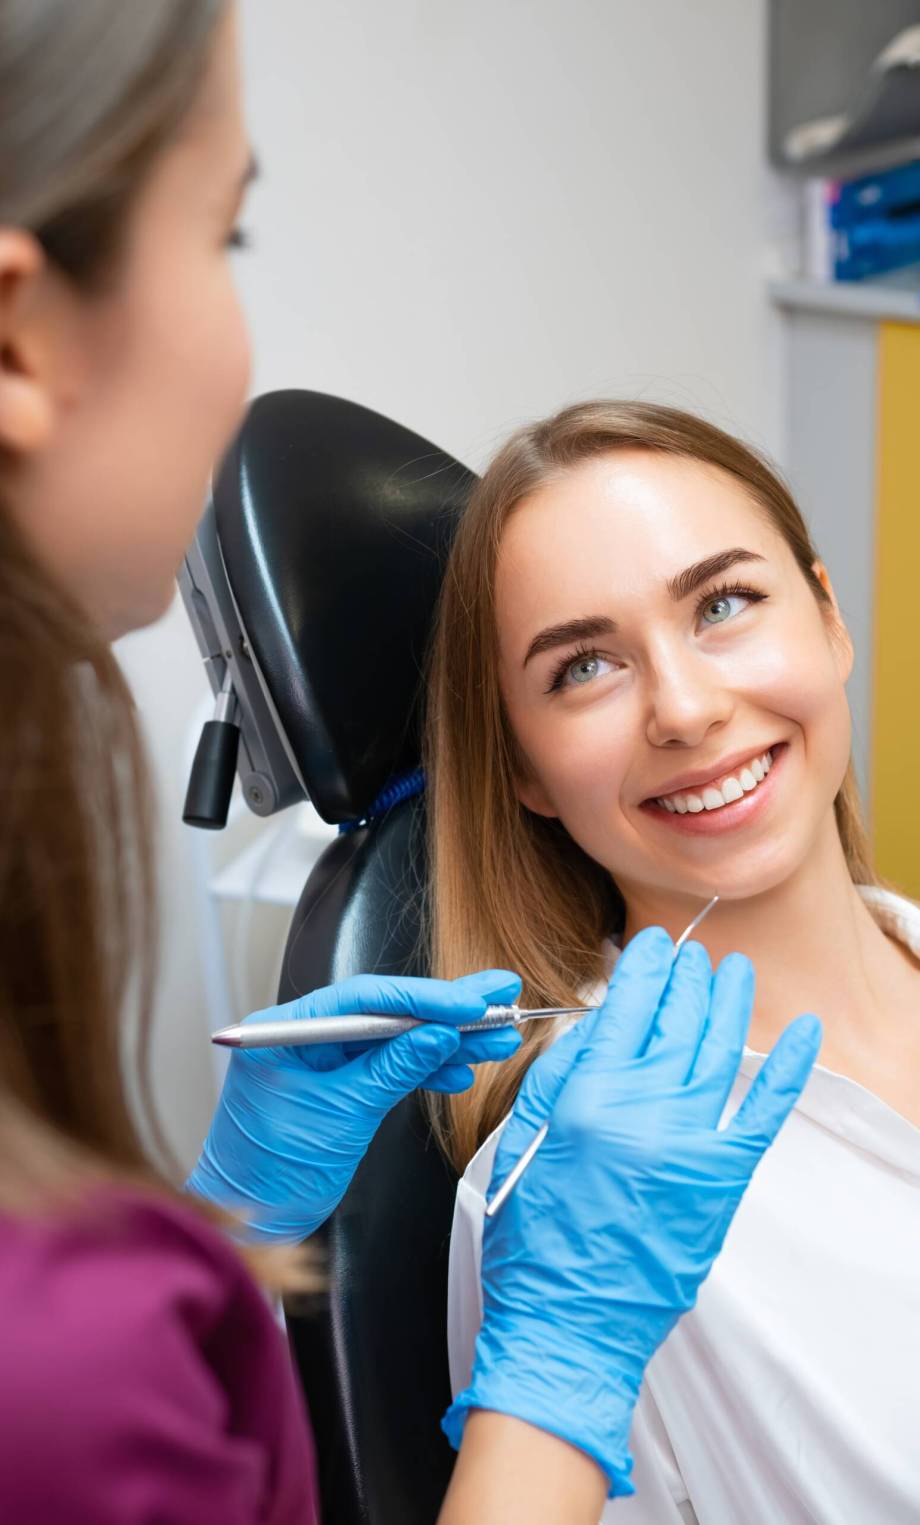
(727, 817)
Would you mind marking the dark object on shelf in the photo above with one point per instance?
(844, 84)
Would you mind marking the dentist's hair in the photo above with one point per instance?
(509, 888)
(92, 92)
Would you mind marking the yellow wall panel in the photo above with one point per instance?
(896, 680)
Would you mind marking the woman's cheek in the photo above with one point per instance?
(581, 763)
(793, 679)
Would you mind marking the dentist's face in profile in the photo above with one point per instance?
(147, 376)
(687, 723)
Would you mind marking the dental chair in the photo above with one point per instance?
(311, 588)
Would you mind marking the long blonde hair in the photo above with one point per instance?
(508, 888)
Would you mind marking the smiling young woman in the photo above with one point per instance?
(638, 701)
(586, 719)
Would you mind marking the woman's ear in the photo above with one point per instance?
(26, 391)
(840, 635)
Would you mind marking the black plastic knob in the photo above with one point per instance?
(210, 784)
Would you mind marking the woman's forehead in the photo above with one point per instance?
(624, 523)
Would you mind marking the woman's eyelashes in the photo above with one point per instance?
(585, 661)
(723, 594)
(238, 239)
(578, 669)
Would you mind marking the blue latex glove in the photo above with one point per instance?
(292, 1124)
(607, 1237)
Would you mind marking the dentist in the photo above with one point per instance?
(143, 1377)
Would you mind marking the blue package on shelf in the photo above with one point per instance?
(891, 190)
(871, 248)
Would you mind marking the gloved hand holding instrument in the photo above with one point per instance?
(293, 1124)
(607, 1237)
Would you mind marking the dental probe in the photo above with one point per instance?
(362, 1027)
(515, 1173)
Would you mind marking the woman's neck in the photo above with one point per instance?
(815, 947)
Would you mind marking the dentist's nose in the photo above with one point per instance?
(686, 699)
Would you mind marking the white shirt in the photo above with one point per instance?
(790, 1395)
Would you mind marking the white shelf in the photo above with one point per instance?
(853, 299)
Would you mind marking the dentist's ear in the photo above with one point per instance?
(840, 635)
(26, 395)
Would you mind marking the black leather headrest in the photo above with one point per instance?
(335, 523)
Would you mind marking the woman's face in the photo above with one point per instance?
(136, 390)
(656, 640)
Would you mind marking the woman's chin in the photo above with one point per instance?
(740, 880)
(145, 608)
(731, 876)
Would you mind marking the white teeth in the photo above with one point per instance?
(712, 798)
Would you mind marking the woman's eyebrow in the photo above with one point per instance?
(570, 630)
(691, 578)
(679, 587)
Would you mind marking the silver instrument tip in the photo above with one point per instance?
(227, 1037)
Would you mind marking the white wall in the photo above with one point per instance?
(469, 215)
(474, 212)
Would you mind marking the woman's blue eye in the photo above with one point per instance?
(584, 670)
(722, 603)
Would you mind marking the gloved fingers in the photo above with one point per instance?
(619, 1030)
(778, 1086)
(442, 1001)
(389, 1071)
(604, 1039)
(475, 1048)
(450, 1079)
(498, 987)
(539, 1092)
(681, 1018)
(715, 1066)
(480, 1048)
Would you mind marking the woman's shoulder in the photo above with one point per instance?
(102, 1287)
(121, 1326)
(120, 1248)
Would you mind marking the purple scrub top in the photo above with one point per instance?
(143, 1377)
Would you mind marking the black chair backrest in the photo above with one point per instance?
(334, 525)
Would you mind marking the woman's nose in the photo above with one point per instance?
(686, 699)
